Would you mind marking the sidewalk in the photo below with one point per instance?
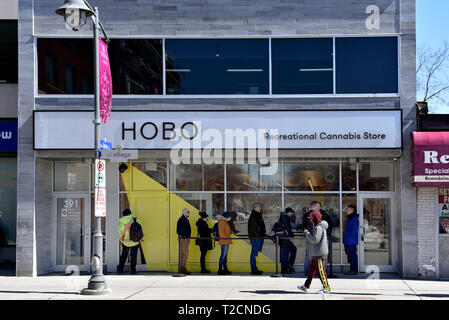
(149, 286)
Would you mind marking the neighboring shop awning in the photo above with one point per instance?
(8, 135)
(431, 159)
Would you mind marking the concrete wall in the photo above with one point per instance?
(427, 237)
(224, 18)
(8, 100)
(44, 216)
(8, 9)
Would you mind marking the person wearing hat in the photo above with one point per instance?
(288, 249)
(318, 251)
(205, 244)
(184, 231)
(224, 234)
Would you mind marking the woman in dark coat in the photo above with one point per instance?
(205, 244)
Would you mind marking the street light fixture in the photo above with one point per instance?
(75, 14)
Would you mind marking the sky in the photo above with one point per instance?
(432, 29)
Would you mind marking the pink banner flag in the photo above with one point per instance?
(105, 82)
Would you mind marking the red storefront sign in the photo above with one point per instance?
(431, 159)
(443, 195)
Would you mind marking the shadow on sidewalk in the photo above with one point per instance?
(42, 292)
(300, 292)
(429, 295)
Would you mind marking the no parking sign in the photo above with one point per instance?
(100, 188)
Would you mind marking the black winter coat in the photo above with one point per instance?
(183, 227)
(204, 232)
(286, 222)
(256, 225)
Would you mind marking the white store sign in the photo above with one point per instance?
(218, 129)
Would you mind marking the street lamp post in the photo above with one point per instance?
(75, 14)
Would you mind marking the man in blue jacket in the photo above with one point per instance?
(184, 231)
(351, 238)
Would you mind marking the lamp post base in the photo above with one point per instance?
(96, 286)
(93, 292)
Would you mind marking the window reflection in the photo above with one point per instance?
(211, 203)
(376, 176)
(349, 176)
(302, 66)
(217, 66)
(311, 176)
(197, 177)
(253, 177)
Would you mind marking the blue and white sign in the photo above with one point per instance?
(8, 135)
(104, 145)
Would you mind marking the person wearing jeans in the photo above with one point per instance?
(351, 239)
(256, 233)
(288, 249)
(224, 234)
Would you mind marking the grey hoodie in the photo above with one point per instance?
(317, 240)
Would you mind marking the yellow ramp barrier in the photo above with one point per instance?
(158, 211)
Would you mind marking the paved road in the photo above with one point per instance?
(196, 287)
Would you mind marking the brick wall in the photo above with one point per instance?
(427, 237)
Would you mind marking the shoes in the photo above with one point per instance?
(221, 273)
(227, 272)
(324, 291)
(205, 271)
(185, 272)
(303, 288)
(119, 270)
(133, 272)
(257, 272)
(291, 270)
(350, 273)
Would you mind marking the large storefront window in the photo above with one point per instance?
(331, 204)
(71, 176)
(253, 177)
(8, 201)
(376, 176)
(197, 177)
(311, 176)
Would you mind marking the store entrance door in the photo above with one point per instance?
(72, 223)
(377, 238)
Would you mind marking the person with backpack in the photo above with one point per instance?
(318, 251)
(130, 234)
(205, 244)
(224, 235)
(288, 249)
(184, 231)
(256, 233)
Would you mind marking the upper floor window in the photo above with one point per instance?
(217, 66)
(8, 51)
(319, 66)
(136, 66)
(367, 65)
(302, 66)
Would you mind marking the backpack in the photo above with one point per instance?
(135, 232)
(215, 231)
(279, 229)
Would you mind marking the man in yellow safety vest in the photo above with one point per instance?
(124, 228)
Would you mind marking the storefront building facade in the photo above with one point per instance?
(335, 98)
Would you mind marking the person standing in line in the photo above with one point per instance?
(124, 234)
(318, 252)
(256, 233)
(288, 249)
(351, 239)
(184, 231)
(205, 244)
(307, 225)
(224, 235)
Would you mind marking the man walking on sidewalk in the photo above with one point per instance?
(184, 231)
(256, 233)
(317, 239)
